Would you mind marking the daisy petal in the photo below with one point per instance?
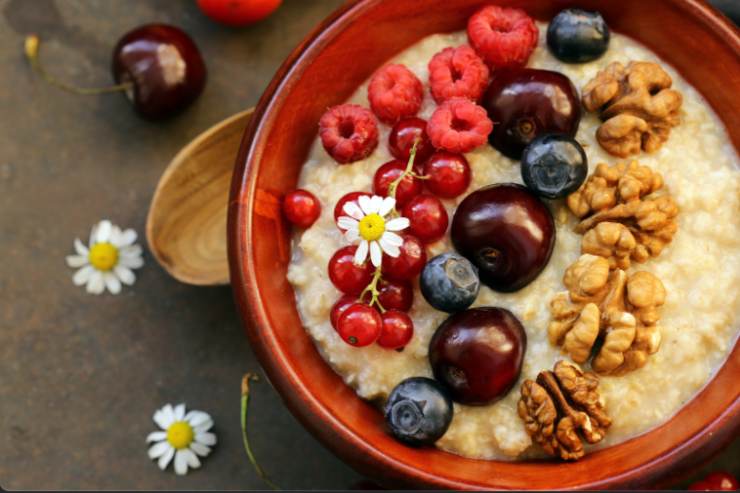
(158, 449)
(166, 458)
(156, 436)
(388, 204)
(115, 236)
(161, 419)
(389, 248)
(80, 248)
(169, 413)
(196, 418)
(376, 255)
(131, 262)
(353, 210)
(193, 461)
(376, 202)
(361, 253)
(128, 237)
(75, 261)
(203, 427)
(112, 283)
(365, 204)
(83, 275)
(179, 412)
(352, 235)
(346, 222)
(104, 230)
(200, 449)
(93, 234)
(125, 274)
(397, 224)
(181, 463)
(206, 438)
(392, 238)
(131, 251)
(95, 284)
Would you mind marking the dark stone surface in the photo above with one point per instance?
(80, 376)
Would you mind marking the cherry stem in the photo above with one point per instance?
(245, 406)
(372, 288)
(32, 50)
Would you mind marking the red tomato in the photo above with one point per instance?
(238, 12)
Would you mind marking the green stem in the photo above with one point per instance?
(32, 49)
(245, 406)
(372, 288)
(409, 171)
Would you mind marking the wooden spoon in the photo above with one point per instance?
(186, 225)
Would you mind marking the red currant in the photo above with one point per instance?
(348, 277)
(403, 135)
(397, 329)
(302, 208)
(407, 189)
(339, 307)
(395, 295)
(448, 174)
(349, 197)
(428, 217)
(359, 325)
(409, 263)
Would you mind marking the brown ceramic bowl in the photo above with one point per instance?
(324, 70)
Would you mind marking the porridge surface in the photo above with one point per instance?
(700, 268)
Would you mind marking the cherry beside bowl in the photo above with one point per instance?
(324, 70)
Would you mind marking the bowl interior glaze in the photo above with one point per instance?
(324, 70)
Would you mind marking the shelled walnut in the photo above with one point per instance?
(637, 105)
(625, 213)
(562, 408)
(608, 310)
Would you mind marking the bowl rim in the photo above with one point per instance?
(300, 401)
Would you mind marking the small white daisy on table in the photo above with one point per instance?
(183, 436)
(370, 223)
(108, 260)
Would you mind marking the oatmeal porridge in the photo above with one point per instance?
(699, 268)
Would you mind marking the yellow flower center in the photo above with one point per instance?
(103, 256)
(372, 227)
(180, 434)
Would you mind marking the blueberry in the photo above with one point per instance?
(449, 282)
(418, 411)
(577, 36)
(554, 165)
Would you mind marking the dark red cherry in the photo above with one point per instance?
(403, 135)
(164, 66)
(507, 232)
(477, 354)
(409, 263)
(526, 103)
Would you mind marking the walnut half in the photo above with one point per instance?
(562, 409)
(608, 310)
(637, 105)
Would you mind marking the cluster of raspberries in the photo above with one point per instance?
(458, 77)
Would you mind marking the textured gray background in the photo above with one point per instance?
(80, 376)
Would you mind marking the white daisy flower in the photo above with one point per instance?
(108, 260)
(184, 437)
(369, 223)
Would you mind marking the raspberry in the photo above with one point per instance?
(394, 93)
(349, 132)
(457, 72)
(503, 37)
(458, 125)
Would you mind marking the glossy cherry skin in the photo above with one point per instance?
(395, 295)
(447, 174)
(507, 232)
(403, 135)
(477, 354)
(527, 102)
(340, 307)
(359, 325)
(397, 330)
(349, 197)
(165, 67)
(428, 217)
(346, 276)
(407, 189)
(301, 208)
(409, 263)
